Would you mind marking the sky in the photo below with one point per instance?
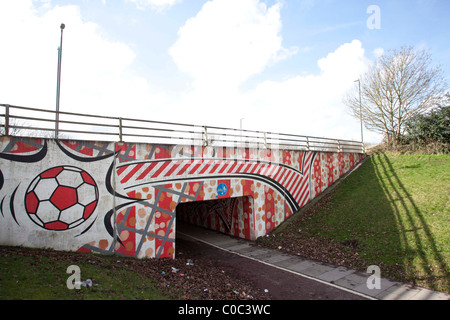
(270, 65)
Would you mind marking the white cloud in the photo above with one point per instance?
(312, 104)
(378, 52)
(303, 104)
(97, 74)
(229, 41)
(158, 5)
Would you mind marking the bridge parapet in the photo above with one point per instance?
(34, 122)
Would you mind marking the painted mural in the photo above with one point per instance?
(112, 197)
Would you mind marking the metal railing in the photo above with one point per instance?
(41, 123)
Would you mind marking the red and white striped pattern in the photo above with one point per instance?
(157, 171)
(301, 192)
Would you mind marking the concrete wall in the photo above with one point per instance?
(124, 198)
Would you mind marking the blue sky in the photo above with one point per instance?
(280, 65)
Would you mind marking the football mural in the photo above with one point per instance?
(125, 198)
(61, 198)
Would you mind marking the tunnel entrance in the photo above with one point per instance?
(231, 216)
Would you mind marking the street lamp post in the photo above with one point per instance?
(58, 84)
(360, 112)
(240, 121)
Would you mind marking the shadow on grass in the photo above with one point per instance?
(420, 250)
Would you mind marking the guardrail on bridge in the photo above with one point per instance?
(42, 123)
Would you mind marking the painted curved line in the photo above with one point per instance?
(11, 205)
(107, 220)
(36, 157)
(82, 159)
(227, 223)
(87, 229)
(109, 186)
(251, 176)
(1, 206)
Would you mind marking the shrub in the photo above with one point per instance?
(430, 131)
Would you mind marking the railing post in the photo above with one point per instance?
(120, 130)
(265, 140)
(7, 120)
(205, 136)
(307, 143)
(339, 147)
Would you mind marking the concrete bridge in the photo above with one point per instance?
(64, 187)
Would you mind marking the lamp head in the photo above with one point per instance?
(62, 26)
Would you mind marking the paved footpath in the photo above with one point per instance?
(339, 277)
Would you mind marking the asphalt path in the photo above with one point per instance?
(281, 284)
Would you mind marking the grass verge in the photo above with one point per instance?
(32, 274)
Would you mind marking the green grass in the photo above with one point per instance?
(392, 212)
(29, 274)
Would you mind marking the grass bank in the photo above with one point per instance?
(32, 274)
(392, 212)
(36, 274)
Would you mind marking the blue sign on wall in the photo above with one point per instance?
(222, 189)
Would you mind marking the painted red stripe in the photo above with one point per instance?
(289, 178)
(240, 167)
(299, 187)
(298, 191)
(121, 169)
(304, 191)
(185, 168)
(308, 160)
(261, 168)
(305, 177)
(206, 167)
(293, 185)
(306, 198)
(248, 167)
(195, 167)
(224, 167)
(285, 177)
(275, 170)
(255, 167)
(174, 167)
(280, 174)
(131, 173)
(232, 166)
(306, 170)
(269, 171)
(214, 168)
(161, 169)
(147, 170)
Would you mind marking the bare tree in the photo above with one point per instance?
(399, 85)
(21, 128)
(15, 127)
